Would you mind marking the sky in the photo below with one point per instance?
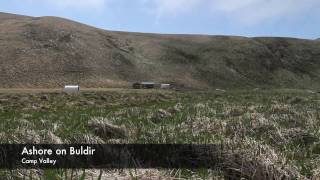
(251, 18)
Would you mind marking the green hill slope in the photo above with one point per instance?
(52, 52)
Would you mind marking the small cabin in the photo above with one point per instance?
(165, 86)
(71, 89)
(144, 85)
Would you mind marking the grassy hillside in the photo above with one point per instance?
(52, 52)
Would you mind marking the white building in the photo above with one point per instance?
(165, 86)
(71, 89)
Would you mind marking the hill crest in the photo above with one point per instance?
(52, 52)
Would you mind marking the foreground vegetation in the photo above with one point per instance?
(266, 134)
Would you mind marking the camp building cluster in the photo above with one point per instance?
(137, 85)
(150, 85)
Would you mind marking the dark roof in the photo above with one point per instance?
(147, 83)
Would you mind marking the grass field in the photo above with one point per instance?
(267, 134)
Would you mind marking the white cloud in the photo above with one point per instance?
(171, 7)
(232, 5)
(257, 11)
(247, 12)
(175, 6)
(78, 4)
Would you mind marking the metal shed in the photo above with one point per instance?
(144, 85)
(71, 89)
